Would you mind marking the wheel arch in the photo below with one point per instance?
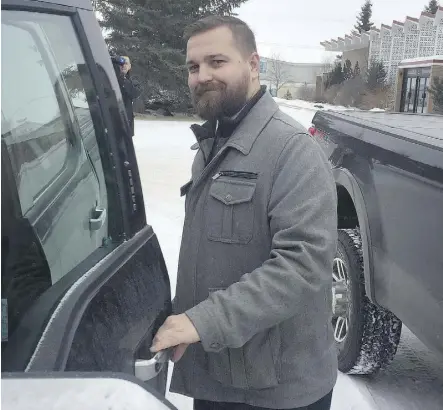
(352, 214)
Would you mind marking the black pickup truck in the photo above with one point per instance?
(388, 270)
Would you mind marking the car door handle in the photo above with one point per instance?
(148, 369)
(98, 219)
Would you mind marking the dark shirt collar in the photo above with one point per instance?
(226, 125)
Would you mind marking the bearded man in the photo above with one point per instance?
(252, 315)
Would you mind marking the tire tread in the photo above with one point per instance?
(381, 328)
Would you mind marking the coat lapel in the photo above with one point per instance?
(242, 139)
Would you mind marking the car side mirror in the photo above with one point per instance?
(73, 391)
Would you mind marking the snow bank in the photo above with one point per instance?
(304, 111)
(303, 115)
(311, 106)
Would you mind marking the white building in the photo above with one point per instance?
(287, 76)
(391, 44)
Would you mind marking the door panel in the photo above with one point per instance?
(105, 320)
(415, 95)
(409, 260)
(407, 95)
(412, 100)
(122, 319)
(404, 95)
(424, 95)
(420, 94)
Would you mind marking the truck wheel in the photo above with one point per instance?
(366, 335)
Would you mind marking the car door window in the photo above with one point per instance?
(35, 134)
(58, 199)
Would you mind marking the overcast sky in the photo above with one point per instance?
(294, 28)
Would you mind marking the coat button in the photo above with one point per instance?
(228, 198)
(215, 345)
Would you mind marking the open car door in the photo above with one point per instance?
(84, 283)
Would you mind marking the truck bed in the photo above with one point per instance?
(427, 129)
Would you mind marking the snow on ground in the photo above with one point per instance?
(414, 381)
(164, 158)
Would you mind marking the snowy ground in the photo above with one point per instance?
(414, 381)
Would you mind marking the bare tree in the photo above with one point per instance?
(306, 92)
(278, 75)
(328, 64)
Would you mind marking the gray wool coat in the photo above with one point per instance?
(255, 267)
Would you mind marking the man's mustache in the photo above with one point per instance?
(201, 89)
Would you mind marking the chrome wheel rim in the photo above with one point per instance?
(340, 300)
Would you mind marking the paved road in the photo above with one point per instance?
(413, 381)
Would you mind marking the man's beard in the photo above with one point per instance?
(216, 99)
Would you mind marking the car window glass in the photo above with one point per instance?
(56, 217)
(33, 128)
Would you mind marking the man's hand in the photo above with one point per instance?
(178, 332)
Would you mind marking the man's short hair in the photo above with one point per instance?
(243, 36)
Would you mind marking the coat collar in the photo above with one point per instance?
(250, 127)
(247, 130)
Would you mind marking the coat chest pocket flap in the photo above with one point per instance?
(230, 211)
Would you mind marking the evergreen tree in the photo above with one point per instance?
(338, 74)
(357, 69)
(150, 32)
(364, 18)
(436, 90)
(335, 76)
(432, 7)
(288, 95)
(377, 76)
(347, 70)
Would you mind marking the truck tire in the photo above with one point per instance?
(366, 335)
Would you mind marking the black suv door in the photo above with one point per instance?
(84, 283)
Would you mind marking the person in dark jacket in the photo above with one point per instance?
(130, 91)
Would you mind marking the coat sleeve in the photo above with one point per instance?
(131, 89)
(302, 214)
